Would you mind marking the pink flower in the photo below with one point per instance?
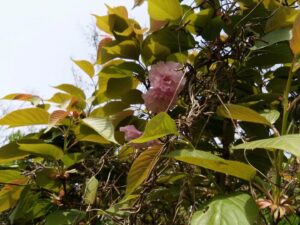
(130, 132)
(157, 100)
(167, 76)
(166, 82)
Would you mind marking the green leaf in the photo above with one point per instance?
(86, 66)
(10, 176)
(213, 28)
(25, 212)
(114, 73)
(60, 98)
(90, 192)
(42, 149)
(71, 89)
(271, 115)
(72, 158)
(159, 126)
(283, 17)
(272, 38)
(47, 178)
(86, 133)
(165, 9)
(25, 117)
(160, 44)
(197, 21)
(213, 162)
(268, 56)
(236, 209)
(9, 196)
(238, 112)
(288, 143)
(71, 217)
(102, 126)
(141, 168)
(127, 49)
(11, 152)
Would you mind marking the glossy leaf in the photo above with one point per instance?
(290, 143)
(86, 66)
(90, 192)
(213, 162)
(102, 126)
(230, 210)
(42, 149)
(141, 168)
(238, 112)
(164, 10)
(25, 117)
(159, 126)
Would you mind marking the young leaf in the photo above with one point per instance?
(90, 192)
(141, 168)
(43, 149)
(86, 66)
(238, 112)
(213, 162)
(235, 209)
(102, 126)
(57, 116)
(288, 143)
(25, 117)
(295, 41)
(164, 10)
(159, 126)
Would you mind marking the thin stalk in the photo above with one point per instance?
(285, 105)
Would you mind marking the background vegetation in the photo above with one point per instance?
(192, 121)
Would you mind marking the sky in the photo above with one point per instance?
(38, 39)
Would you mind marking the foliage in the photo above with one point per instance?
(210, 94)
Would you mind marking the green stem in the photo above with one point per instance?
(285, 105)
